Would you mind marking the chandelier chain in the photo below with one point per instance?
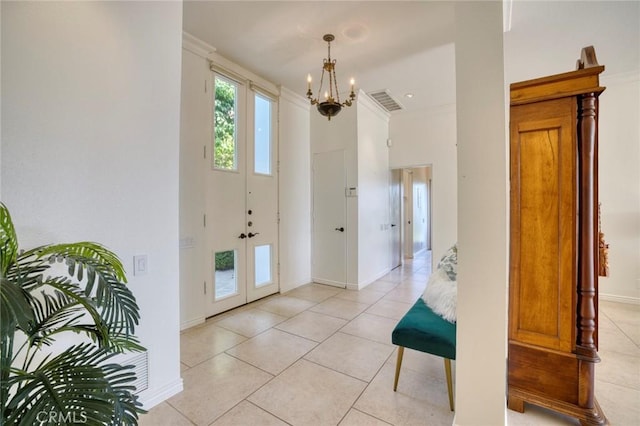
(320, 88)
(335, 83)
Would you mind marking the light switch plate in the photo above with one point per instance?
(140, 265)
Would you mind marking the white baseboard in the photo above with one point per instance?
(150, 398)
(353, 286)
(329, 282)
(192, 323)
(371, 280)
(287, 288)
(619, 299)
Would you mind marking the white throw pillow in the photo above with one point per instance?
(441, 295)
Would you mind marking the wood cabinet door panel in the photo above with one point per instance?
(543, 233)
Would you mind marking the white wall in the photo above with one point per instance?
(482, 215)
(294, 191)
(195, 133)
(429, 137)
(1, 79)
(538, 43)
(374, 228)
(612, 28)
(619, 174)
(90, 132)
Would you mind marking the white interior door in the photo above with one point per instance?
(329, 219)
(241, 198)
(396, 218)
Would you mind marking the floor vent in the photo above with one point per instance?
(383, 97)
(140, 362)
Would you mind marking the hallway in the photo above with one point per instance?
(320, 355)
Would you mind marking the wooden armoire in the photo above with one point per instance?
(553, 282)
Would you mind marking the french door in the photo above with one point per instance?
(241, 219)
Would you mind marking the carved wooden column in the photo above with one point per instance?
(587, 228)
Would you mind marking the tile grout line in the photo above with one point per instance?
(316, 345)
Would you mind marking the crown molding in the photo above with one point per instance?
(219, 62)
(197, 46)
(294, 98)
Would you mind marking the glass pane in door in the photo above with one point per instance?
(262, 135)
(262, 265)
(225, 124)
(225, 278)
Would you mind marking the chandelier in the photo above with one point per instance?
(331, 105)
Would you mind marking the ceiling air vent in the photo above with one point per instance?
(385, 100)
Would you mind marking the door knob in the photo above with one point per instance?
(242, 236)
(251, 234)
(341, 229)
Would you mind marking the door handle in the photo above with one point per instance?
(341, 229)
(242, 236)
(393, 224)
(251, 234)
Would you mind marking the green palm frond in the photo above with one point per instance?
(119, 306)
(15, 310)
(54, 313)
(91, 300)
(74, 292)
(126, 406)
(27, 271)
(8, 241)
(75, 383)
(124, 343)
(103, 274)
(86, 250)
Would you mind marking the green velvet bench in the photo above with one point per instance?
(423, 330)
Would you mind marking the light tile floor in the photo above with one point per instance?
(320, 355)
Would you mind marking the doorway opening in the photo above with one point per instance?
(410, 207)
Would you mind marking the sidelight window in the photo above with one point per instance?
(225, 124)
(262, 134)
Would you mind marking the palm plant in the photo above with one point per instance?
(40, 302)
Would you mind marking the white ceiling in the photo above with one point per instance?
(405, 47)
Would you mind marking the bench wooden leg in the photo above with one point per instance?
(447, 369)
(398, 365)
